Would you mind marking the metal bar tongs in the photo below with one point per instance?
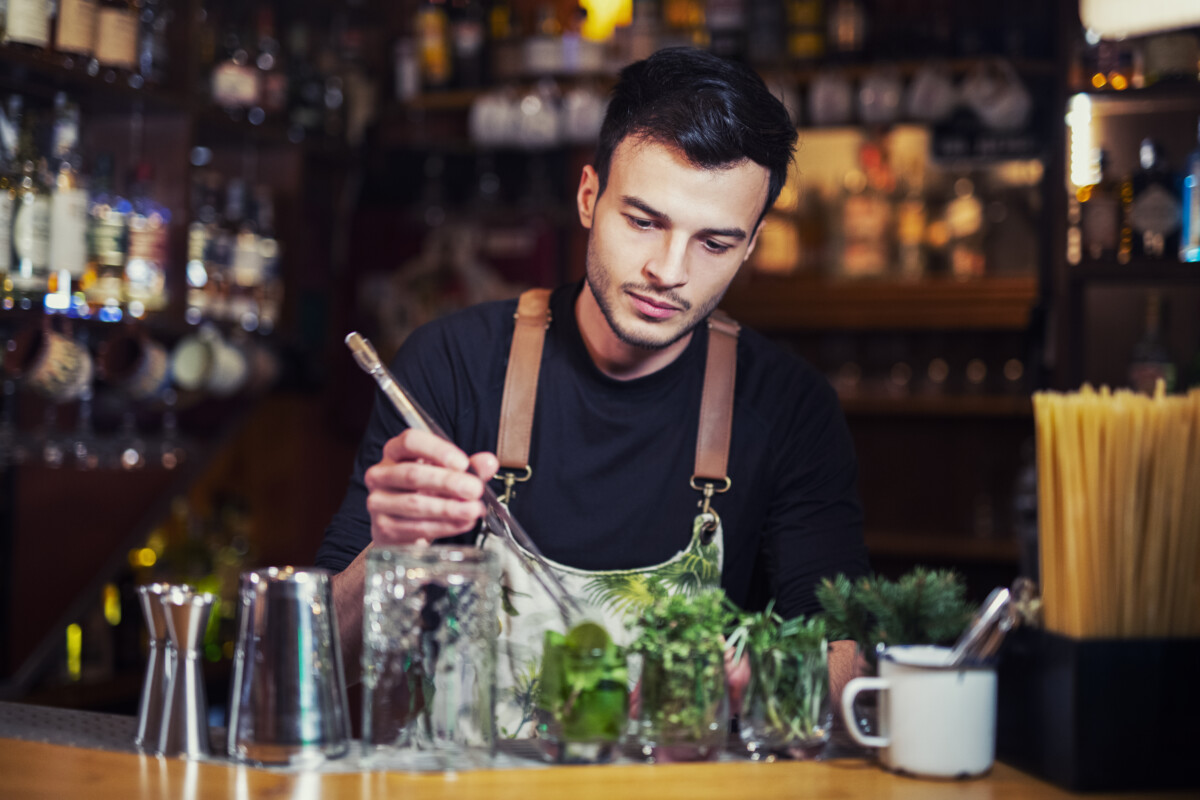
(497, 517)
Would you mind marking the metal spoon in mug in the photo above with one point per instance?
(983, 636)
(497, 519)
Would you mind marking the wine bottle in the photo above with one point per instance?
(10, 121)
(31, 224)
(1154, 208)
(75, 28)
(1151, 361)
(145, 281)
(68, 214)
(1189, 237)
(153, 50)
(117, 26)
(108, 240)
(1100, 213)
(28, 24)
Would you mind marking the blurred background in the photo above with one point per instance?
(200, 198)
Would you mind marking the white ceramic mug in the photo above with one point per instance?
(934, 720)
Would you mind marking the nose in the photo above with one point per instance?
(668, 268)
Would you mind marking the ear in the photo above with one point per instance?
(588, 194)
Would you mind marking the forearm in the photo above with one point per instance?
(844, 664)
(348, 587)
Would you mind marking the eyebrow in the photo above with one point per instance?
(646, 208)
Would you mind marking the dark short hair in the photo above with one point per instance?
(717, 112)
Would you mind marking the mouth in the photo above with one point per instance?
(652, 307)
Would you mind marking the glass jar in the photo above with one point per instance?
(786, 709)
(430, 627)
(583, 698)
(683, 711)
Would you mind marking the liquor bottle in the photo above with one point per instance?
(766, 33)
(1100, 213)
(846, 23)
(1154, 207)
(910, 228)
(234, 83)
(727, 27)
(432, 25)
(306, 91)
(1151, 360)
(27, 23)
(145, 281)
(964, 221)
(75, 28)
(68, 215)
(30, 270)
(1189, 236)
(153, 49)
(867, 216)
(273, 80)
(805, 30)
(270, 289)
(108, 240)
(117, 28)
(10, 122)
(468, 38)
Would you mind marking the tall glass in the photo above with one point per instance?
(430, 626)
(786, 708)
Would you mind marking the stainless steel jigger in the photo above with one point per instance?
(154, 685)
(185, 721)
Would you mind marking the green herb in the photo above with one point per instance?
(786, 701)
(923, 607)
(584, 684)
(683, 669)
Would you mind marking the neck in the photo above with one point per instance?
(613, 357)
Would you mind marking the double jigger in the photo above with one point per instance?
(287, 700)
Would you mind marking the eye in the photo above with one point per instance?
(716, 248)
(641, 224)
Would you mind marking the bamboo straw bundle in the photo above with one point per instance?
(1119, 512)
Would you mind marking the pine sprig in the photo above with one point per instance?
(922, 607)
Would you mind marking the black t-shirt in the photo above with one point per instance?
(612, 460)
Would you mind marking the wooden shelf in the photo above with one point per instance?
(943, 547)
(1158, 98)
(816, 304)
(1142, 271)
(42, 74)
(949, 405)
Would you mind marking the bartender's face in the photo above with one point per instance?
(666, 238)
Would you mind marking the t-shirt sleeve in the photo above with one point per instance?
(814, 526)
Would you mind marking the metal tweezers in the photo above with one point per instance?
(497, 518)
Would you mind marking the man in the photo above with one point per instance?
(693, 152)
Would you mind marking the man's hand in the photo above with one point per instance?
(737, 678)
(421, 490)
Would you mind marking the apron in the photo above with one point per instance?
(609, 597)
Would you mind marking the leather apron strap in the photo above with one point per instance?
(520, 396)
(520, 386)
(716, 403)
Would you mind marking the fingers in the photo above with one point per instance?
(485, 465)
(420, 489)
(413, 445)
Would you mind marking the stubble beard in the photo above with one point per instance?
(599, 280)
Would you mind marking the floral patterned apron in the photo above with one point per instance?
(609, 597)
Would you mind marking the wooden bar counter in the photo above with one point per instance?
(35, 770)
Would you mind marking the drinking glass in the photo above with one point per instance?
(430, 625)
